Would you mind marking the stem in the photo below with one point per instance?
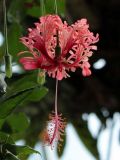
(42, 7)
(56, 8)
(5, 28)
(56, 95)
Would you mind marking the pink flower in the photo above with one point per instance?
(58, 48)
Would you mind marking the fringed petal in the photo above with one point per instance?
(76, 44)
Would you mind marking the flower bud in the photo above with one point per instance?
(8, 65)
(41, 77)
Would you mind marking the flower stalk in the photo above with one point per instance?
(7, 56)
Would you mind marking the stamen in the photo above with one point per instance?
(54, 132)
(57, 48)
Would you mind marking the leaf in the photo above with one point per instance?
(86, 137)
(10, 156)
(7, 106)
(37, 94)
(19, 92)
(5, 138)
(63, 143)
(27, 82)
(16, 11)
(36, 10)
(20, 151)
(18, 122)
(14, 34)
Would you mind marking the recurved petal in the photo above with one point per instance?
(86, 71)
(29, 63)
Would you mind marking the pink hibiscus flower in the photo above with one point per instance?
(58, 48)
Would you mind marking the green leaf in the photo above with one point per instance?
(10, 156)
(37, 94)
(9, 105)
(14, 34)
(35, 11)
(5, 138)
(19, 92)
(15, 46)
(63, 144)
(27, 82)
(16, 11)
(18, 122)
(86, 137)
(20, 151)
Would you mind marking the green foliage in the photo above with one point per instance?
(18, 122)
(19, 93)
(50, 8)
(63, 145)
(23, 90)
(20, 151)
(7, 106)
(5, 138)
(15, 31)
(16, 11)
(36, 10)
(11, 151)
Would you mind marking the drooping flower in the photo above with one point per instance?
(58, 48)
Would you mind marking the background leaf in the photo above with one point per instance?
(63, 144)
(20, 151)
(18, 122)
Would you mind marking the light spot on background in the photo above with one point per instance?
(99, 64)
(1, 39)
(93, 124)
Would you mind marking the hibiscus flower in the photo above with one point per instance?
(57, 48)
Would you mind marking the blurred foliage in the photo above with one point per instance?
(60, 151)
